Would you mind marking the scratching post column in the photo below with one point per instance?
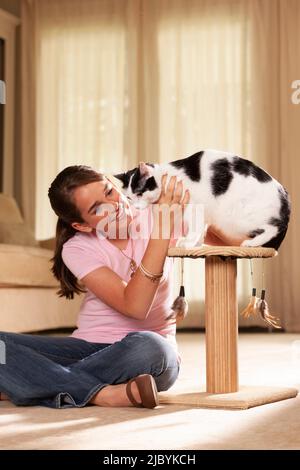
(221, 319)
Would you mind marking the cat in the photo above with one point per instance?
(239, 198)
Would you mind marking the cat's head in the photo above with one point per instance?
(140, 185)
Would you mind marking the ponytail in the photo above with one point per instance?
(68, 282)
(60, 194)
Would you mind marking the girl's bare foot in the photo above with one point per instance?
(115, 395)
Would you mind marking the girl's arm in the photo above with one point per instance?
(134, 299)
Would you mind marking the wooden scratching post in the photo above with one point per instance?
(221, 324)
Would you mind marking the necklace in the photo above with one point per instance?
(133, 265)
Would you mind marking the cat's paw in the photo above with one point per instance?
(180, 242)
(186, 243)
(249, 243)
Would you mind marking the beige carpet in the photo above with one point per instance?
(264, 359)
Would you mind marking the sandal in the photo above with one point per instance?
(3, 397)
(147, 389)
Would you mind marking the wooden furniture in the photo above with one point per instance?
(221, 318)
(28, 289)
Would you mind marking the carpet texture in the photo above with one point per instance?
(264, 360)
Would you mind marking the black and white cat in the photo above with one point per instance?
(239, 198)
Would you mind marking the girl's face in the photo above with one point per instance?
(101, 203)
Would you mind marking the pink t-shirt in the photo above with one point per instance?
(97, 321)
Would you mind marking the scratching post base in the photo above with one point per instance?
(246, 397)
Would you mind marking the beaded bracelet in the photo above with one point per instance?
(152, 277)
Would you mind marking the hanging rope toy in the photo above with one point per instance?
(264, 312)
(180, 305)
(251, 308)
(259, 306)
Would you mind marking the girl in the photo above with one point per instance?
(124, 348)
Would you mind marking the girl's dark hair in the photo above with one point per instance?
(61, 199)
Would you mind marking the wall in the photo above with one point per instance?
(12, 6)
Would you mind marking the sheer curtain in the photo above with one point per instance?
(200, 73)
(86, 93)
(108, 83)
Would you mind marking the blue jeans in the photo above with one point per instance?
(64, 372)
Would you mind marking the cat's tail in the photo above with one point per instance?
(276, 241)
(281, 222)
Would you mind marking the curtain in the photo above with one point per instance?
(284, 279)
(200, 75)
(114, 82)
(86, 91)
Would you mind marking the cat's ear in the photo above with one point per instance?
(122, 177)
(144, 169)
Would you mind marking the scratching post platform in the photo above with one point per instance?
(221, 325)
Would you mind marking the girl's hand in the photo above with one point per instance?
(173, 193)
(169, 208)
